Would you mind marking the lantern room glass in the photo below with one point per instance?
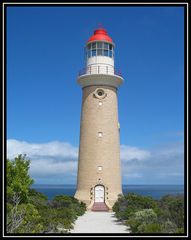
(100, 49)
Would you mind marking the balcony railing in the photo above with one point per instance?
(100, 70)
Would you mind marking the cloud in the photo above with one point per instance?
(49, 161)
(44, 168)
(128, 153)
(51, 149)
(163, 165)
(56, 162)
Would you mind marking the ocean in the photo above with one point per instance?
(155, 191)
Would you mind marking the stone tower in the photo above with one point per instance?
(99, 168)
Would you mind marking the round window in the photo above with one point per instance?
(100, 93)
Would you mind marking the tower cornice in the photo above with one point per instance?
(100, 79)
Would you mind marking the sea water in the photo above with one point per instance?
(155, 191)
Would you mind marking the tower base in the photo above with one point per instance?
(84, 197)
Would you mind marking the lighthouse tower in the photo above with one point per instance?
(99, 168)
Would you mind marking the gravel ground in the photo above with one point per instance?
(99, 222)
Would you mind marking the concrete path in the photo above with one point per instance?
(99, 222)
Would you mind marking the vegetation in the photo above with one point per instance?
(146, 215)
(29, 211)
(18, 179)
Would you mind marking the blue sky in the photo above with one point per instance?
(45, 51)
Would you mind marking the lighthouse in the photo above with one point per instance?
(99, 167)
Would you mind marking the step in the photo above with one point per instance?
(100, 207)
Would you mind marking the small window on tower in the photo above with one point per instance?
(99, 168)
(110, 54)
(110, 47)
(100, 134)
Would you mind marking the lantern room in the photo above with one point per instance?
(100, 53)
(99, 48)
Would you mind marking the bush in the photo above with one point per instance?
(70, 202)
(63, 211)
(59, 214)
(36, 198)
(145, 215)
(141, 219)
(173, 208)
(54, 218)
(180, 230)
(169, 227)
(127, 205)
(23, 218)
(18, 179)
(153, 228)
(29, 211)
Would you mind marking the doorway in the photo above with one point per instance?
(99, 194)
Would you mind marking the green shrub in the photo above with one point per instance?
(37, 198)
(144, 214)
(179, 230)
(172, 208)
(23, 218)
(18, 179)
(141, 219)
(127, 205)
(169, 227)
(63, 211)
(153, 228)
(29, 211)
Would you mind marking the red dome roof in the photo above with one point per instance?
(100, 35)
